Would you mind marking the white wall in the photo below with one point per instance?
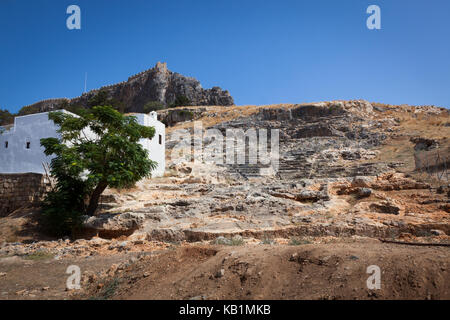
(157, 151)
(17, 158)
(31, 128)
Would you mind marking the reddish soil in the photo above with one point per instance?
(45, 278)
(312, 271)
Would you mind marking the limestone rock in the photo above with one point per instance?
(363, 182)
(364, 192)
(165, 235)
(387, 207)
(110, 224)
(437, 232)
(157, 84)
(424, 144)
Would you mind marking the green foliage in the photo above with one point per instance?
(107, 291)
(63, 207)
(102, 99)
(298, 242)
(235, 241)
(6, 117)
(39, 255)
(153, 106)
(71, 107)
(180, 101)
(178, 113)
(77, 109)
(118, 105)
(28, 110)
(110, 289)
(85, 166)
(185, 113)
(64, 105)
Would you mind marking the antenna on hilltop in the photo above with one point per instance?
(85, 82)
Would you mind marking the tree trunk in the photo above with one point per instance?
(95, 197)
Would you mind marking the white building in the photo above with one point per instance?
(157, 145)
(21, 151)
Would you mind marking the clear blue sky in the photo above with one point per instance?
(263, 52)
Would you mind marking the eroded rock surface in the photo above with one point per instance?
(331, 179)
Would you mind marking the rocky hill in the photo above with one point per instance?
(356, 184)
(156, 85)
(344, 168)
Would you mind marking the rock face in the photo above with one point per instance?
(320, 140)
(336, 177)
(157, 84)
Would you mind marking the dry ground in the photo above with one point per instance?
(42, 277)
(332, 269)
(335, 269)
(310, 271)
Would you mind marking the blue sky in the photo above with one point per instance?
(263, 52)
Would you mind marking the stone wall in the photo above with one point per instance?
(19, 190)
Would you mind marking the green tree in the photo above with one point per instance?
(28, 110)
(102, 98)
(6, 117)
(114, 158)
(63, 207)
(180, 101)
(99, 99)
(118, 105)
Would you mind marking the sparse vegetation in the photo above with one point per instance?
(235, 241)
(108, 290)
(181, 101)
(153, 106)
(39, 255)
(28, 110)
(268, 241)
(297, 242)
(6, 117)
(100, 99)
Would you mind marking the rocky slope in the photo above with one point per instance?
(337, 175)
(157, 84)
(350, 174)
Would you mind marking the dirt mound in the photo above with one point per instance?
(22, 226)
(326, 271)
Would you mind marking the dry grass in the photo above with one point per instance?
(223, 114)
(399, 148)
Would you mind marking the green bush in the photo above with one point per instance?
(39, 255)
(6, 117)
(153, 106)
(180, 101)
(99, 99)
(28, 110)
(63, 207)
(298, 242)
(235, 241)
(102, 99)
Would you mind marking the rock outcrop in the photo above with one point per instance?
(344, 169)
(158, 85)
(320, 140)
